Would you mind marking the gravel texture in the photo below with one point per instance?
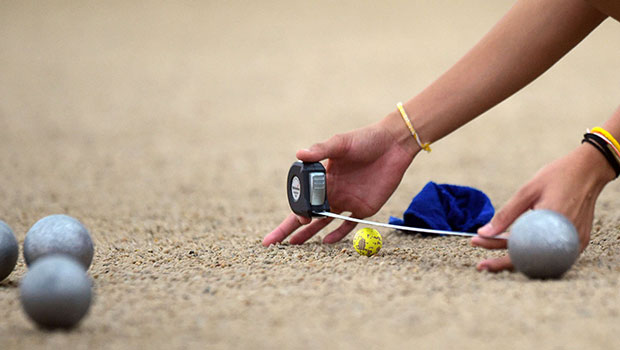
(168, 130)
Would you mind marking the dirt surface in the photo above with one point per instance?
(168, 129)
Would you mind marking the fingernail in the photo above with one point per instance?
(485, 230)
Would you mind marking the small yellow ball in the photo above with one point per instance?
(367, 241)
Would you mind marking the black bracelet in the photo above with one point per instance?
(603, 147)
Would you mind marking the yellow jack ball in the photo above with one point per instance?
(367, 241)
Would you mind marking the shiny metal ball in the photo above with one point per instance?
(56, 292)
(543, 244)
(9, 250)
(58, 234)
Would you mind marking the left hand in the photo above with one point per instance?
(569, 186)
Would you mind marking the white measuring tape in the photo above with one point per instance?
(405, 228)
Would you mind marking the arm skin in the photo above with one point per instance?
(530, 38)
(365, 166)
(608, 7)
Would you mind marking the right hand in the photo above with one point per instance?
(569, 186)
(364, 167)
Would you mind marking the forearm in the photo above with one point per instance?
(528, 40)
(609, 7)
(612, 125)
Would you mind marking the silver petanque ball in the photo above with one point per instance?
(543, 244)
(56, 292)
(58, 234)
(9, 250)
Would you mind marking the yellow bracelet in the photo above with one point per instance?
(607, 135)
(424, 146)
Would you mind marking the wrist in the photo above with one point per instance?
(596, 164)
(396, 127)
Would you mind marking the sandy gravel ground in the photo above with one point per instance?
(168, 129)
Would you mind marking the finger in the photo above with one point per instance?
(340, 232)
(519, 203)
(335, 147)
(495, 264)
(303, 220)
(489, 243)
(290, 224)
(310, 230)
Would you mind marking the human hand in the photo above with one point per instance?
(569, 186)
(363, 169)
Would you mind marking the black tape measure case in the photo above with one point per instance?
(307, 189)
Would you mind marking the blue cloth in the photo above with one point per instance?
(447, 207)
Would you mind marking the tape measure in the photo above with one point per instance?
(307, 197)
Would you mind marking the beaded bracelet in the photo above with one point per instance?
(424, 146)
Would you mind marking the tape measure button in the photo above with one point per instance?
(295, 188)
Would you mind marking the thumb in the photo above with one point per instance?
(519, 203)
(335, 147)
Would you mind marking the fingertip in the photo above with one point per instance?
(316, 153)
(486, 230)
(495, 264)
(300, 154)
(304, 220)
(272, 238)
(306, 155)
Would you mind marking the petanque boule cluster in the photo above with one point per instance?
(56, 292)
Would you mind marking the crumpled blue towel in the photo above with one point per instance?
(447, 207)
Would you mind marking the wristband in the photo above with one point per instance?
(609, 145)
(603, 147)
(424, 146)
(607, 135)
